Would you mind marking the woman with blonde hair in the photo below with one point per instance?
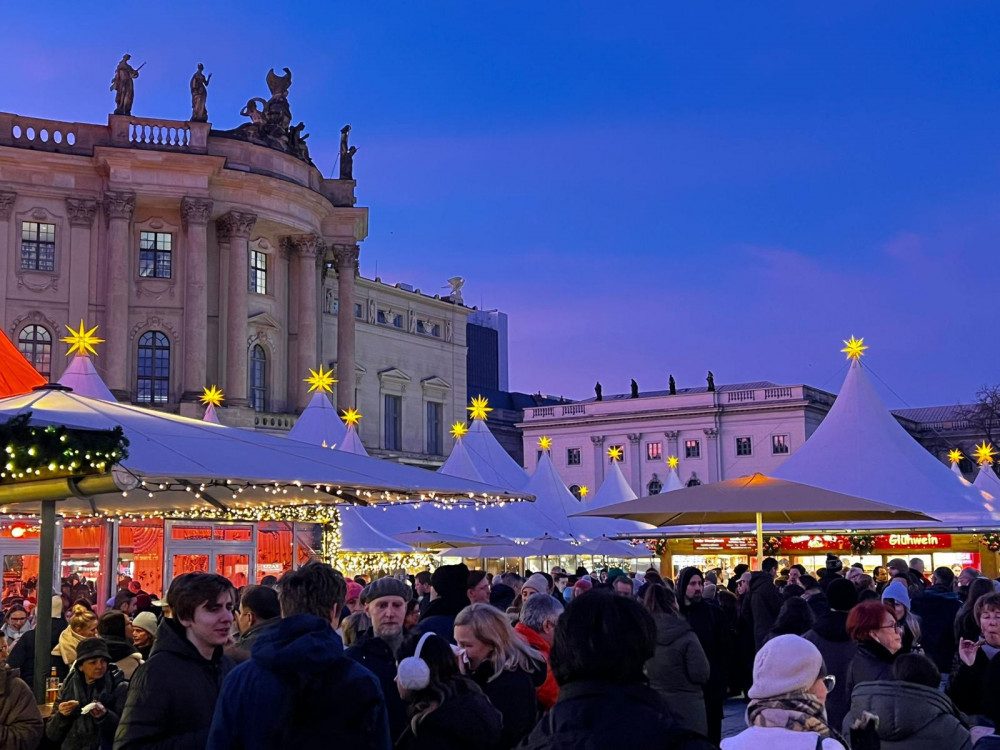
(82, 625)
(506, 668)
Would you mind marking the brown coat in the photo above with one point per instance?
(21, 725)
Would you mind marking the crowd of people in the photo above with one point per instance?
(461, 659)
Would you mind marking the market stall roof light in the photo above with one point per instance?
(82, 341)
(673, 462)
(854, 348)
(459, 429)
(985, 453)
(615, 453)
(545, 443)
(584, 491)
(351, 417)
(480, 408)
(955, 455)
(212, 396)
(320, 380)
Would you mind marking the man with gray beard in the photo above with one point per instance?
(385, 602)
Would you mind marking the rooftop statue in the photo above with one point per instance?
(635, 389)
(455, 283)
(673, 386)
(270, 120)
(711, 381)
(599, 391)
(123, 86)
(199, 94)
(346, 155)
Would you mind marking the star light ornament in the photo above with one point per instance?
(320, 380)
(584, 491)
(82, 341)
(351, 417)
(459, 429)
(615, 453)
(955, 455)
(212, 396)
(854, 348)
(673, 462)
(480, 408)
(545, 443)
(984, 454)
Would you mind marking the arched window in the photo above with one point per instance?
(655, 486)
(693, 481)
(35, 343)
(575, 489)
(258, 377)
(153, 369)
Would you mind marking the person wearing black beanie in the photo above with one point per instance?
(448, 598)
(829, 635)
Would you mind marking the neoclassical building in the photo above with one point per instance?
(207, 257)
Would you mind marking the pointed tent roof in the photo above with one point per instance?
(357, 535)
(319, 423)
(956, 471)
(988, 481)
(614, 489)
(82, 377)
(17, 376)
(210, 415)
(860, 449)
(459, 463)
(352, 443)
(673, 482)
(489, 458)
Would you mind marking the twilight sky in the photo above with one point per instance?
(659, 190)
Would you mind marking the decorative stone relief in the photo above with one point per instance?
(153, 323)
(345, 257)
(235, 224)
(37, 282)
(119, 205)
(597, 439)
(195, 211)
(7, 199)
(155, 289)
(81, 211)
(33, 317)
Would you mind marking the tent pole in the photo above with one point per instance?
(760, 540)
(43, 607)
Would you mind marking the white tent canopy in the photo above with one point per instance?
(352, 443)
(614, 489)
(84, 379)
(460, 463)
(319, 423)
(165, 449)
(860, 449)
(357, 535)
(988, 481)
(489, 458)
(673, 482)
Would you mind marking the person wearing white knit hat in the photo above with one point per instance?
(787, 700)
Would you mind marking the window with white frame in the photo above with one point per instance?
(744, 446)
(779, 445)
(155, 254)
(38, 246)
(692, 449)
(258, 272)
(35, 343)
(153, 369)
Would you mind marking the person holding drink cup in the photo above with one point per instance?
(90, 704)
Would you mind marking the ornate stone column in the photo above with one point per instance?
(712, 453)
(310, 254)
(598, 441)
(7, 199)
(234, 228)
(80, 212)
(195, 213)
(634, 439)
(672, 448)
(345, 261)
(118, 207)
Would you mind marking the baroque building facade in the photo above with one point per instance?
(206, 259)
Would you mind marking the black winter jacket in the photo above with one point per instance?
(911, 716)
(872, 663)
(765, 603)
(22, 656)
(171, 697)
(375, 655)
(464, 720)
(79, 732)
(601, 715)
(976, 689)
(937, 608)
(512, 693)
(829, 635)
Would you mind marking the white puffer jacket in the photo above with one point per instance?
(776, 738)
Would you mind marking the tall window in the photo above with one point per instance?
(154, 254)
(435, 439)
(654, 452)
(393, 423)
(258, 272)
(258, 378)
(744, 446)
(572, 456)
(38, 246)
(692, 449)
(575, 489)
(35, 343)
(153, 370)
(779, 445)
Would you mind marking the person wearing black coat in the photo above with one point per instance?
(22, 655)
(709, 623)
(448, 598)
(975, 683)
(601, 645)
(512, 693)
(829, 635)
(89, 681)
(377, 656)
(937, 609)
(172, 697)
(765, 600)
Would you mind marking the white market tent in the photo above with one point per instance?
(352, 443)
(460, 464)
(614, 489)
(83, 378)
(673, 482)
(319, 423)
(210, 415)
(988, 481)
(489, 458)
(860, 449)
(357, 535)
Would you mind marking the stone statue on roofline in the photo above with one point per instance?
(673, 386)
(199, 94)
(270, 120)
(635, 389)
(599, 391)
(346, 155)
(122, 83)
(711, 381)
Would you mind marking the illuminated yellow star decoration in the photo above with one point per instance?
(615, 453)
(584, 491)
(672, 462)
(545, 443)
(351, 417)
(212, 396)
(985, 453)
(855, 348)
(320, 380)
(480, 407)
(955, 455)
(82, 341)
(459, 429)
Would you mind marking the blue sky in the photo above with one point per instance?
(660, 189)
